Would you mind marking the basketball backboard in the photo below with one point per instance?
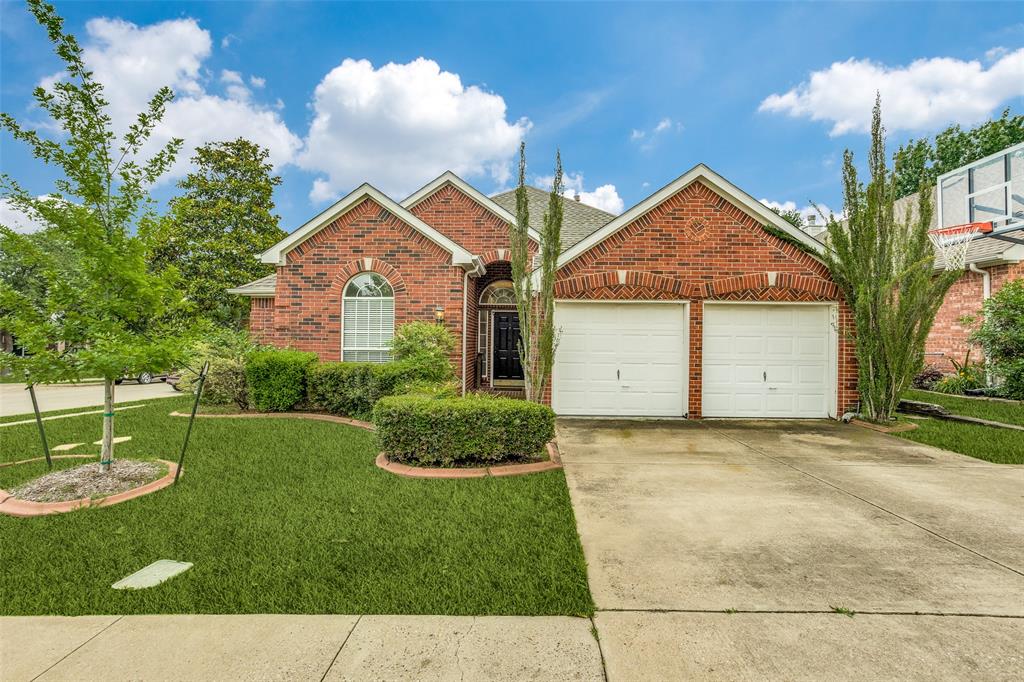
(988, 190)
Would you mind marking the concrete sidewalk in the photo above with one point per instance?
(284, 647)
(15, 400)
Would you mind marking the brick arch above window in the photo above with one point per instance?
(353, 268)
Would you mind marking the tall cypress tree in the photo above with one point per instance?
(885, 269)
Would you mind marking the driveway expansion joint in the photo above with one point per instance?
(338, 652)
(68, 654)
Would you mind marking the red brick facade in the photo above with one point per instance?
(696, 245)
(948, 337)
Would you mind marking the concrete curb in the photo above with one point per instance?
(24, 508)
(407, 471)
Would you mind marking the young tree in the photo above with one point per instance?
(536, 307)
(885, 268)
(790, 215)
(211, 232)
(103, 318)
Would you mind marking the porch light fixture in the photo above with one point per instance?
(439, 315)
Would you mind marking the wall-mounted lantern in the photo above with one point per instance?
(439, 315)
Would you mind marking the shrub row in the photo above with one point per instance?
(352, 388)
(277, 378)
(423, 430)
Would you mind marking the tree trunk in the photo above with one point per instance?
(107, 451)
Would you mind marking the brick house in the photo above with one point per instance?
(684, 305)
(991, 263)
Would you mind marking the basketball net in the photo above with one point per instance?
(953, 242)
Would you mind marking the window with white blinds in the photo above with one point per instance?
(368, 319)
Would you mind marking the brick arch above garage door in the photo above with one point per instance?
(645, 286)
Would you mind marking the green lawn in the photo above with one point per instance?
(1002, 446)
(1007, 413)
(290, 516)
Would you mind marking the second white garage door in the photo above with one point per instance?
(624, 359)
(771, 360)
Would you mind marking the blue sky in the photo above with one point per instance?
(767, 94)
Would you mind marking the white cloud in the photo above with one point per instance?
(257, 82)
(807, 212)
(399, 125)
(605, 197)
(648, 139)
(132, 61)
(924, 95)
(16, 219)
(995, 53)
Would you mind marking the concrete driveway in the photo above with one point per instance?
(722, 549)
(14, 399)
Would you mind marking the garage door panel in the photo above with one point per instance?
(632, 362)
(768, 360)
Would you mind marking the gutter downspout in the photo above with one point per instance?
(465, 326)
(986, 281)
(986, 293)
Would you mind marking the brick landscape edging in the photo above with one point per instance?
(12, 506)
(475, 472)
(285, 415)
(384, 463)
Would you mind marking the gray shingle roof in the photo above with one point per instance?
(264, 286)
(578, 219)
(986, 250)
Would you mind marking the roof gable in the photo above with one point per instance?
(277, 253)
(450, 178)
(713, 180)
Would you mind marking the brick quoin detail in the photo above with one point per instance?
(948, 338)
(656, 258)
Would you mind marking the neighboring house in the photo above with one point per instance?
(681, 306)
(990, 189)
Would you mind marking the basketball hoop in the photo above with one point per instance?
(953, 242)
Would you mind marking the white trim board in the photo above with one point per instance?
(716, 182)
(460, 257)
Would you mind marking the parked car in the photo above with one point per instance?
(148, 378)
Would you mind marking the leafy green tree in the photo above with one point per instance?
(536, 306)
(920, 162)
(105, 318)
(791, 216)
(211, 232)
(23, 270)
(1001, 337)
(885, 270)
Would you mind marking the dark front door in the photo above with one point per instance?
(506, 347)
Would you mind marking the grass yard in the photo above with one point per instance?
(290, 516)
(998, 411)
(1002, 446)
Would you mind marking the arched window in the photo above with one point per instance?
(368, 319)
(498, 293)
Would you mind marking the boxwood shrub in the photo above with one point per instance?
(351, 389)
(418, 429)
(277, 378)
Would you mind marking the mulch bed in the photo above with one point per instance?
(87, 481)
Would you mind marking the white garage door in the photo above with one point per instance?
(623, 359)
(769, 360)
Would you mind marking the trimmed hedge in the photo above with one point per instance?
(351, 389)
(476, 429)
(277, 378)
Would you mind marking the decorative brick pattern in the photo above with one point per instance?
(733, 259)
(948, 337)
